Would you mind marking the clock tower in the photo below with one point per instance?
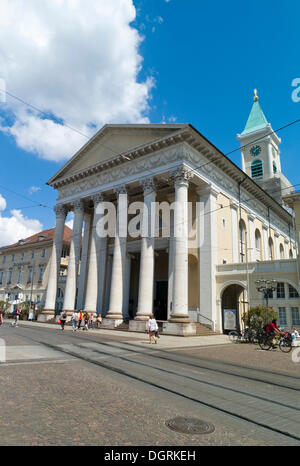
(260, 153)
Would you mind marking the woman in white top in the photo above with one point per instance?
(152, 328)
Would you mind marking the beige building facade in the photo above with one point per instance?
(24, 269)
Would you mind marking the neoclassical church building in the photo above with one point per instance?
(243, 229)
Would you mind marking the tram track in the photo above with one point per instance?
(78, 348)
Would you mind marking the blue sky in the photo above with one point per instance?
(204, 60)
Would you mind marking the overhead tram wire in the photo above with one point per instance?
(151, 172)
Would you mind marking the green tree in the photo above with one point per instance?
(4, 305)
(256, 317)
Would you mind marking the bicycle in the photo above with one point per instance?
(284, 341)
(247, 336)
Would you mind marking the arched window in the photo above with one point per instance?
(271, 249)
(274, 167)
(242, 241)
(258, 244)
(257, 169)
(281, 251)
(291, 254)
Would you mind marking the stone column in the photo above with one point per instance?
(251, 236)
(127, 273)
(171, 264)
(91, 297)
(84, 261)
(145, 299)
(208, 259)
(277, 250)
(49, 310)
(115, 316)
(286, 249)
(235, 237)
(266, 242)
(179, 321)
(72, 278)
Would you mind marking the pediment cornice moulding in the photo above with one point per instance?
(122, 158)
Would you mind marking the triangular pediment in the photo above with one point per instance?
(112, 141)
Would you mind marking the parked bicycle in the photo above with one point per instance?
(284, 341)
(248, 336)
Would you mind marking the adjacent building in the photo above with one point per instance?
(24, 269)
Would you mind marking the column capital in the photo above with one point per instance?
(251, 217)
(121, 189)
(265, 226)
(60, 210)
(234, 205)
(148, 185)
(98, 197)
(78, 205)
(276, 234)
(181, 175)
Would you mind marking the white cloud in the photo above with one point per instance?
(17, 227)
(2, 203)
(34, 189)
(77, 60)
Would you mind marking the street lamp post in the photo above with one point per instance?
(266, 287)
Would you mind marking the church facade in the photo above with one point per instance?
(192, 263)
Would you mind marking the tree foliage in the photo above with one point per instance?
(256, 317)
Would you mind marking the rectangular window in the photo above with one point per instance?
(32, 255)
(29, 278)
(9, 277)
(43, 253)
(22, 256)
(38, 298)
(295, 316)
(292, 292)
(280, 291)
(4, 260)
(1, 277)
(282, 316)
(13, 258)
(19, 277)
(41, 274)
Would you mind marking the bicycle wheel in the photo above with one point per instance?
(265, 343)
(233, 336)
(285, 345)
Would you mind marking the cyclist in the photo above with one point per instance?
(273, 330)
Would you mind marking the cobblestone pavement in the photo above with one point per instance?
(49, 397)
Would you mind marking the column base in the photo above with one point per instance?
(110, 322)
(179, 328)
(180, 318)
(47, 314)
(137, 325)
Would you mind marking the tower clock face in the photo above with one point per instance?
(255, 150)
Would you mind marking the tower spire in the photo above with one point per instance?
(255, 95)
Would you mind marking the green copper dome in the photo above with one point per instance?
(256, 120)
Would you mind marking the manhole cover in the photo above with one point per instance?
(188, 425)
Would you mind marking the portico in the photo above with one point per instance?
(171, 206)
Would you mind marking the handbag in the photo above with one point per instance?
(59, 321)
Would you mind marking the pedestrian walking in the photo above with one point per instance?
(63, 319)
(92, 324)
(99, 321)
(80, 318)
(16, 314)
(152, 327)
(74, 321)
(86, 321)
(1, 318)
(31, 316)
